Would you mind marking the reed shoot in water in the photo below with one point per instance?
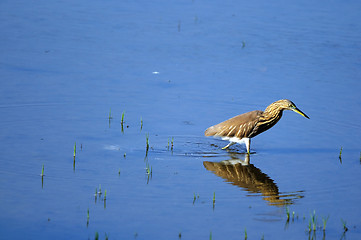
(122, 120)
(74, 149)
(345, 228)
(324, 221)
(147, 142)
(42, 171)
(314, 220)
(110, 114)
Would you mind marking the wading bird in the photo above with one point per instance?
(241, 128)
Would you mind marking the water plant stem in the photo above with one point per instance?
(122, 120)
(345, 228)
(147, 141)
(288, 213)
(324, 221)
(87, 218)
(110, 114)
(314, 220)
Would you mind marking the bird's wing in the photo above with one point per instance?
(239, 126)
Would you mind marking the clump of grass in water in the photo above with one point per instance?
(100, 190)
(122, 120)
(105, 194)
(110, 114)
(324, 221)
(210, 235)
(345, 228)
(141, 123)
(147, 142)
(172, 144)
(96, 236)
(314, 220)
(74, 154)
(42, 171)
(214, 199)
(288, 213)
(87, 218)
(340, 155)
(309, 226)
(245, 234)
(195, 197)
(149, 170)
(74, 149)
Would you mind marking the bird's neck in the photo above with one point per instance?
(273, 114)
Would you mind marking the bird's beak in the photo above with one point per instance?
(299, 112)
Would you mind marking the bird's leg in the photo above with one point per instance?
(229, 144)
(248, 144)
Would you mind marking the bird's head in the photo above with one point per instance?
(286, 104)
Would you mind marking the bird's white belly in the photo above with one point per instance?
(236, 140)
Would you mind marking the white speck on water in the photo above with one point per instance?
(112, 147)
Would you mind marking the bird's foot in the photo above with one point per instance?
(228, 145)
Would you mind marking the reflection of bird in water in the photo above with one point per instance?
(245, 175)
(241, 128)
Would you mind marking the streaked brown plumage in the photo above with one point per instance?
(243, 127)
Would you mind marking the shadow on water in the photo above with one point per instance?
(241, 173)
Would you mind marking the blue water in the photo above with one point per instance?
(179, 67)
